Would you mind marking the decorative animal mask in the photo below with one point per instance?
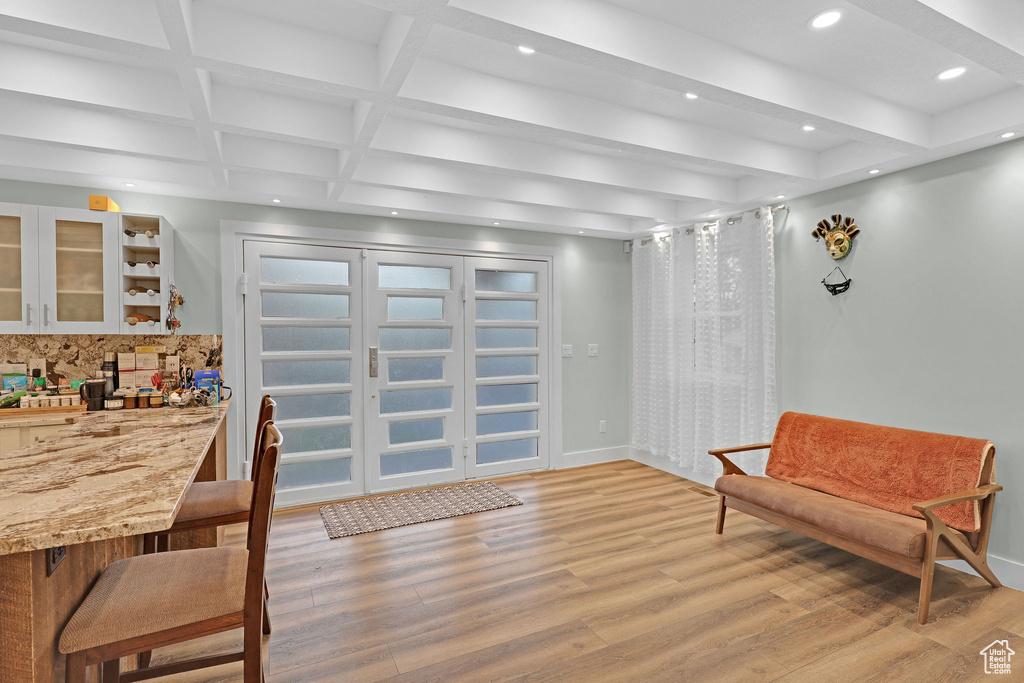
(838, 235)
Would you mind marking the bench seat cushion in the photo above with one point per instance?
(884, 467)
(890, 531)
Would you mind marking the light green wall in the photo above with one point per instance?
(929, 336)
(595, 276)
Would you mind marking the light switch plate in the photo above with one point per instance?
(602, 426)
(566, 350)
(592, 350)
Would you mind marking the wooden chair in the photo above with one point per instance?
(215, 503)
(150, 601)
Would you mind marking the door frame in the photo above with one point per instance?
(233, 234)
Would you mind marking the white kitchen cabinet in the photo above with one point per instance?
(79, 261)
(19, 262)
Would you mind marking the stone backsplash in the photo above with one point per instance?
(78, 356)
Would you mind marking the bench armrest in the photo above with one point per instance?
(963, 496)
(728, 466)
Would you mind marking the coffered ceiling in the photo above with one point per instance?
(628, 114)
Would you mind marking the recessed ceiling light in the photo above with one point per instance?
(130, 185)
(691, 96)
(951, 73)
(874, 171)
(826, 19)
(780, 196)
(394, 213)
(497, 223)
(580, 232)
(1007, 135)
(276, 201)
(808, 129)
(525, 49)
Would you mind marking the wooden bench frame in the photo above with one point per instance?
(941, 543)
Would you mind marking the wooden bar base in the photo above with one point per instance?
(34, 607)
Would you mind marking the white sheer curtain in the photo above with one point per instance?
(704, 343)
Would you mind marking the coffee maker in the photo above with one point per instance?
(93, 391)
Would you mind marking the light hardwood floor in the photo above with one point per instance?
(607, 573)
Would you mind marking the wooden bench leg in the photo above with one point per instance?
(927, 576)
(721, 515)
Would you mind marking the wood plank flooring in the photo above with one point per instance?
(611, 572)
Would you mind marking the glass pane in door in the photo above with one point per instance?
(10, 268)
(79, 271)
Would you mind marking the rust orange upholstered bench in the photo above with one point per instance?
(895, 496)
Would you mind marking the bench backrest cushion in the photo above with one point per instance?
(885, 467)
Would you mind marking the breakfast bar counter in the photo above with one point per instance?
(90, 491)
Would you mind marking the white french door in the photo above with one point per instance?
(303, 341)
(396, 370)
(415, 414)
(507, 333)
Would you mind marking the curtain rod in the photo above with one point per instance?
(730, 220)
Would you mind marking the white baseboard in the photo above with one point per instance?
(598, 455)
(1009, 572)
(666, 465)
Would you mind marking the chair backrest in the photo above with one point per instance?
(884, 467)
(259, 519)
(267, 413)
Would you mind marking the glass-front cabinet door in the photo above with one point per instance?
(19, 263)
(78, 275)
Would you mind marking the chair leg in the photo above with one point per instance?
(144, 659)
(252, 655)
(266, 613)
(163, 543)
(148, 543)
(74, 668)
(112, 671)
(721, 515)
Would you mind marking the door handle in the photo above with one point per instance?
(374, 365)
(28, 314)
(46, 314)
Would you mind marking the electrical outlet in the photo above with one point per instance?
(602, 426)
(55, 556)
(566, 350)
(592, 350)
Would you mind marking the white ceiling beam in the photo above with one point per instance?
(276, 185)
(127, 167)
(175, 16)
(1000, 113)
(417, 175)
(231, 36)
(445, 144)
(79, 38)
(484, 211)
(275, 155)
(584, 119)
(989, 33)
(75, 78)
(615, 39)
(35, 119)
(398, 50)
(289, 117)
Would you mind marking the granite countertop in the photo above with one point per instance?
(110, 474)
